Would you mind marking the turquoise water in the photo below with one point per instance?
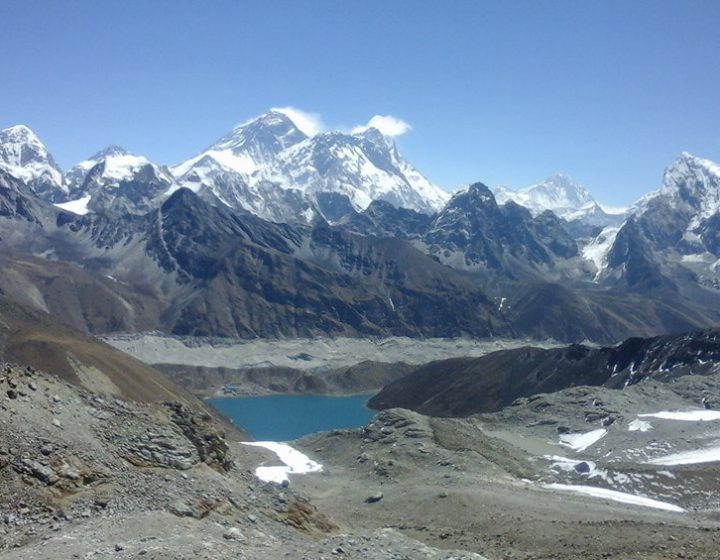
(288, 417)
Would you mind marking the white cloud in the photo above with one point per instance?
(387, 124)
(309, 123)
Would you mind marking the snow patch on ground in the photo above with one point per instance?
(295, 462)
(709, 455)
(580, 442)
(638, 425)
(615, 496)
(686, 416)
(79, 206)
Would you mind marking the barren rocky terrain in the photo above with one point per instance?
(505, 485)
(87, 475)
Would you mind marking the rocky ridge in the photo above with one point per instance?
(465, 386)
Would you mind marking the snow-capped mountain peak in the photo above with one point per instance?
(116, 180)
(271, 132)
(21, 135)
(248, 147)
(23, 155)
(374, 135)
(111, 150)
(559, 193)
(560, 190)
(693, 183)
(270, 167)
(695, 175)
(114, 164)
(566, 198)
(677, 222)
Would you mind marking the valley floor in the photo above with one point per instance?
(331, 366)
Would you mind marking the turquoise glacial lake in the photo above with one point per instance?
(288, 417)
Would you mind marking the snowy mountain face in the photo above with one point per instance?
(114, 180)
(675, 228)
(269, 167)
(564, 197)
(26, 158)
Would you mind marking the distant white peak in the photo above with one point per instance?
(269, 119)
(561, 190)
(18, 141)
(699, 175)
(118, 165)
(25, 157)
(559, 193)
(262, 137)
(19, 133)
(375, 136)
(688, 164)
(309, 124)
(108, 152)
(123, 166)
(694, 182)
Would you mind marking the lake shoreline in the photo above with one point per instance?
(290, 417)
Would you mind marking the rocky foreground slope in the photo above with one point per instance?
(547, 478)
(89, 476)
(84, 475)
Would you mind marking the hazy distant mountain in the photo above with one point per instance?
(564, 197)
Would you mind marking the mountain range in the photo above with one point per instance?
(271, 232)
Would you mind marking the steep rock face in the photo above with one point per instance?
(382, 219)
(217, 272)
(253, 277)
(193, 268)
(150, 254)
(671, 239)
(473, 232)
(25, 157)
(25, 220)
(272, 169)
(679, 215)
(464, 386)
(632, 253)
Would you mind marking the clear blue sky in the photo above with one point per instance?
(503, 92)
